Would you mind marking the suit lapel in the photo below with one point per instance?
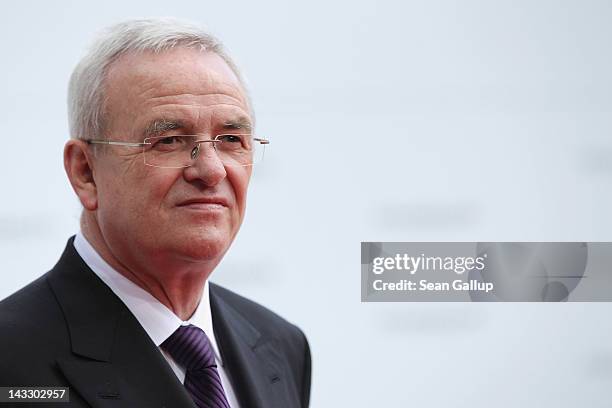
(114, 363)
(251, 360)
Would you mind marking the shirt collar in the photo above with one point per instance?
(158, 321)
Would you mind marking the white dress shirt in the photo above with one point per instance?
(158, 321)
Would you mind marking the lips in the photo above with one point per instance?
(204, 202)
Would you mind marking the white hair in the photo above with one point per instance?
(86, 97)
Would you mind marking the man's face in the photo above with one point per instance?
(189, 214)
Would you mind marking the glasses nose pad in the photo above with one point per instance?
(194, 152)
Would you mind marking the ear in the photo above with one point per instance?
(78, 163)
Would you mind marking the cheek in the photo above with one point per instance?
(139, 193)
(239, 180)
(155, 189)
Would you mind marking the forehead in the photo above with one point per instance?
(181, 81)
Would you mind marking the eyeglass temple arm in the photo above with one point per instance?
(111, 142)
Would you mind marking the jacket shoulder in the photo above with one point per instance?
(34, 303)
(286, 336)
(265, 320)
(33, 332)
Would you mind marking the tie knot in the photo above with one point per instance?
(189, 346)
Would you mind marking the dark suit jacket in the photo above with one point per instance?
(67, 328)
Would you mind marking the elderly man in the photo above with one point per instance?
(160, 158)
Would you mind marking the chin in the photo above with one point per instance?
(205, 248)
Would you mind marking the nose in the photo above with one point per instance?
(206, 166)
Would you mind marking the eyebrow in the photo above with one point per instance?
(160, 126)
(241, 122)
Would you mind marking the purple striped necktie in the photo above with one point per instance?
(189, 346)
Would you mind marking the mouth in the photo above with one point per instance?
(207, 204)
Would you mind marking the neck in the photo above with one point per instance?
(177, 284)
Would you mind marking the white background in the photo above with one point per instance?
(389, 121)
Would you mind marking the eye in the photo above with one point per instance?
(167, 143)
(231, 138)
(168, 140)
(234, 142)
